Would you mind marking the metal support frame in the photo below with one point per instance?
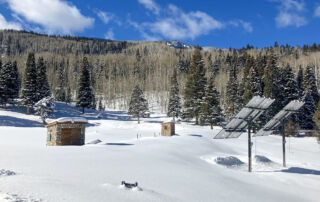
(283, 149)
(249, 149)
(243, 121)
(283, 134)
(278, 121)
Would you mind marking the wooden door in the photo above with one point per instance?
(71, 136)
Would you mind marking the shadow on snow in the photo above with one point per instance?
(298, 170)
(119, 144)
(18, 122)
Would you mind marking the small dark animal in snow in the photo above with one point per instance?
(129, 185)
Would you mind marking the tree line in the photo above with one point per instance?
(237, 75)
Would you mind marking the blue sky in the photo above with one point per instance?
(218, 23)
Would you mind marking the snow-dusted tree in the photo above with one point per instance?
(300, 80)
(85, 96)
(252, 84)
(4, 88)
(211, 111)
(316, 120)
(306, 112)
(310, 84)
(316, 116)
(233, 100)
(174, 106)
(14, 82)
(261, 63)
(60, 92)
(9, 83)
(29, 89)
(274, 85)
(45, 108)
(138, 104)
(291, 88)
(43, 89)
(195, 86)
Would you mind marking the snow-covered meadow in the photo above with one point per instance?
(190, 166)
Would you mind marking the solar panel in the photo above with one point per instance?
(239, 124)
(274, 123)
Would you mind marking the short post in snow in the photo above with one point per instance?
(283, 134)
(283, 144)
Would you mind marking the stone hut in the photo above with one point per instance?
(66, 131)
(167, 129)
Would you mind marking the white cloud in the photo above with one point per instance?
(4, 24)
(55, 16)
(317, 11)
(150, 5)
(290, 13)
(109, 34)
(107, 17)
(173, 23)
(240, 23)
(178, 24)
(285, 19)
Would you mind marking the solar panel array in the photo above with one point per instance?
(239, 124)
(290, 108)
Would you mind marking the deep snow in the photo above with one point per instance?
(179, 168)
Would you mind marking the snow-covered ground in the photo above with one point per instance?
(190, 166)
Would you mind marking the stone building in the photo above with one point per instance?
(167, 129)
(66, 131)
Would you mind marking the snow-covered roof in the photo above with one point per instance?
(70, 119)
(168, 121)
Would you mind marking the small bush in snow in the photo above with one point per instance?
(45, 108)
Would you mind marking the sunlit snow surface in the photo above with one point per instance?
(190, 166)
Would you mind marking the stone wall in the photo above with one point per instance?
(167, 129)
(66, 134)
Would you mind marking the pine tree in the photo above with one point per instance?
(270, 76)
(174, 106)
(14, 82)
(9, 83)
(45, 108)
(310, 84)
(29, 90)
(4, 81)
(249, 64)
(291, 88)
(60, 93)
(252, 84)
(261, 63)
(85, 96)
(306, 112)
(274, 85)
(211, 111)
(290, 91)
(316, 120)
(195, 86)
(233, 99)
(300, 81)
(138, 104)
(43, 89)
